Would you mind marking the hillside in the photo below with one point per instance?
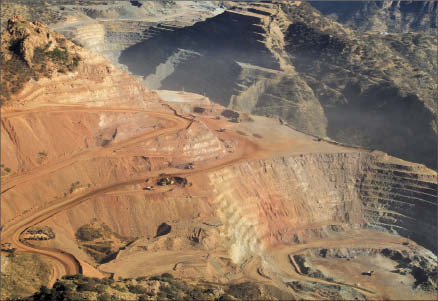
(383, 16)
(288, 60)
(135, 194)
(108, 27)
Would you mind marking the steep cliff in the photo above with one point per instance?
(367, 89)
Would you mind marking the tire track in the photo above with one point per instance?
(12, 231)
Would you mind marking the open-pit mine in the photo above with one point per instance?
(116, 187)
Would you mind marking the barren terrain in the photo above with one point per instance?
(103, 177)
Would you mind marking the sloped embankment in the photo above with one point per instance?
(212, 69)
(301, 198)
(325, 79)
(401, 198)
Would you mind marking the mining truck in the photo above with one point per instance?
(368, 273)
(189, 166)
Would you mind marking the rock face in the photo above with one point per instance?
(240, 70)
(355, 87)
(31, 51)
(109, 27)
(383, 16)
(394, 192)
(327, 192)
(360, 88)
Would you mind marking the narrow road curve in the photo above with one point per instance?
(178, 124)
(12, 230)
(289, 269)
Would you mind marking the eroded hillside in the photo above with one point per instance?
(365, 87)
(105, 178)
(383, 16)
(288, 60)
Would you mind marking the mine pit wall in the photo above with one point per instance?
(244, 42)
(289, 199)
(91, 36)
(401, 199)
(303, 197)
(263, 203)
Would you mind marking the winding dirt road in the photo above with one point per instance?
(68, 263)
(65, 263)
(178, 124)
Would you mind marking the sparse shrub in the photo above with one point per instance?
(167, 275)
(75, 63)
(104, 297)
(88, 233)
(89, 286)
(58, 55)
(143, 298)
(162, 296)
(198, 294)
(72, 295)
(74, 186)
(141, 278)
(137, 289)
(119, 288)
(73, 277)
(107, 281)
(43, 294)
(226, 297)
(180, 285)
(100, 288)
(39, 56)
(64, 286)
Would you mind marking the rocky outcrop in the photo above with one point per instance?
(110, 27)
(59, 66)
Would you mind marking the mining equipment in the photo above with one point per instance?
(368, 273)
(166, 181)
